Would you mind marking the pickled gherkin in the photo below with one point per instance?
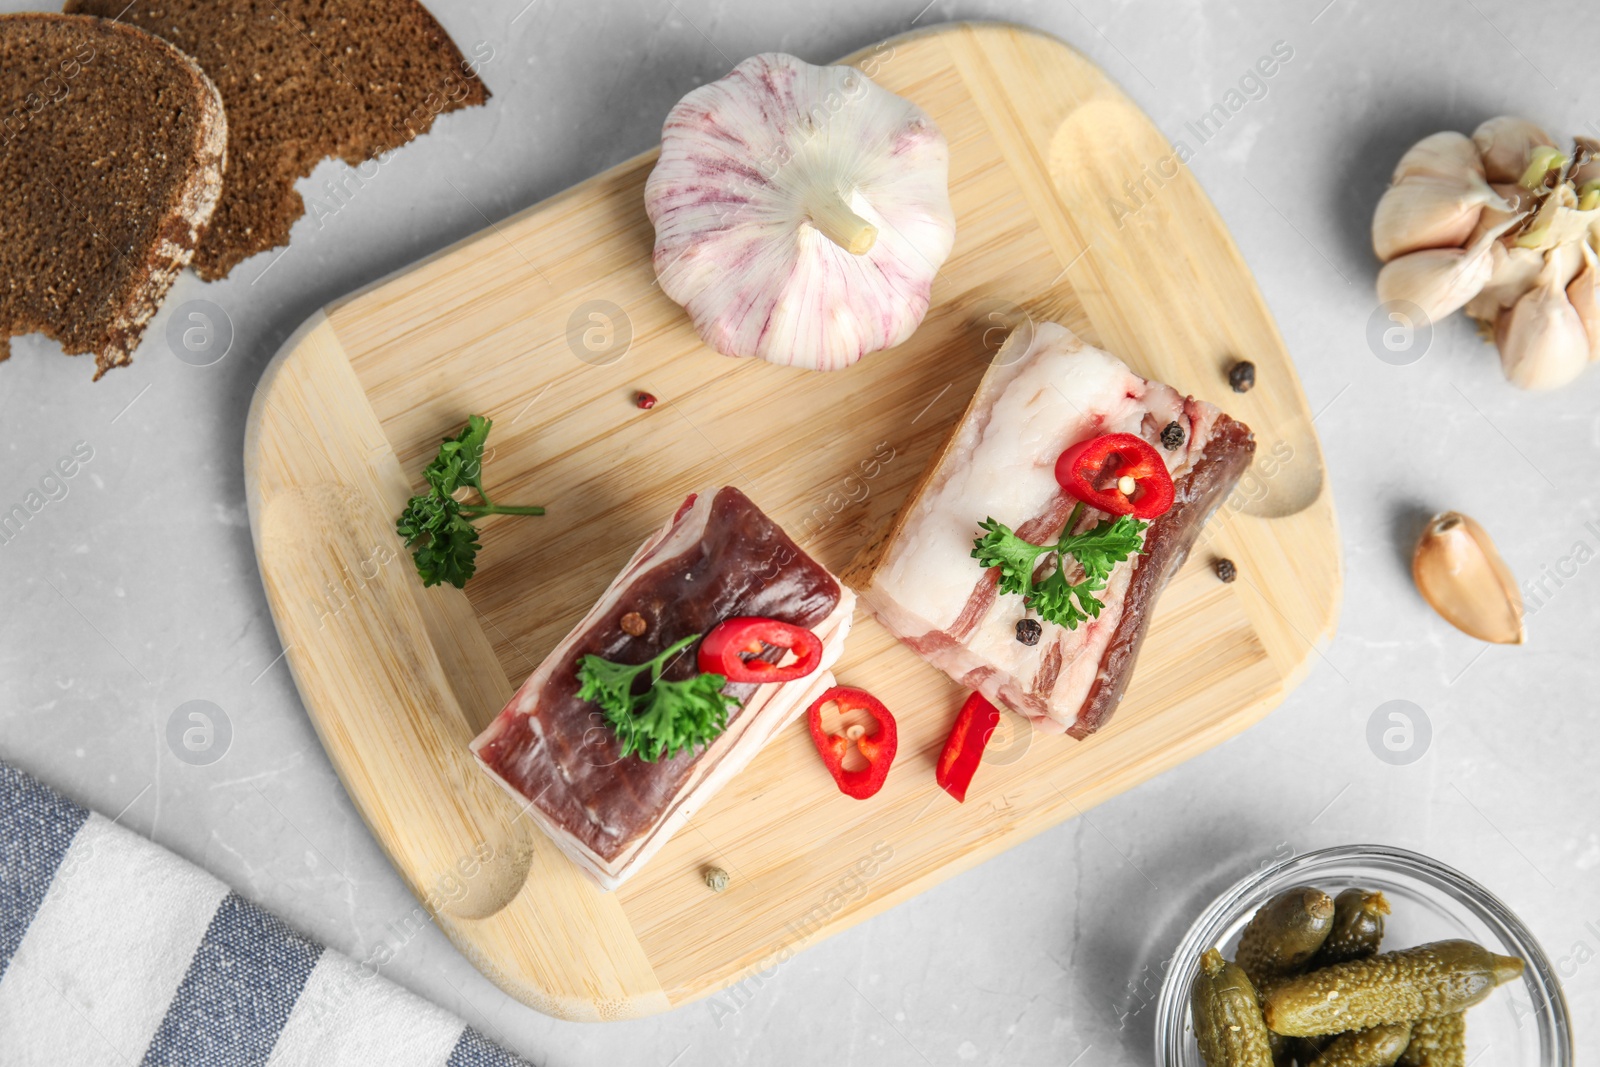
(1437, 1042)
(1380, 1046)
(1285, 934)
(1227, 1017)
(1393, 987)
(1357, 928)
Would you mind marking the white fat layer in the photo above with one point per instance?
(1001, 464)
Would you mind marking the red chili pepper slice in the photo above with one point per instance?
(963, 749)
(1092, 470)
(724, 649)
(878, 748)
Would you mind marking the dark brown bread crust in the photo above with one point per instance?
(303, 80)
(111, 156)
(1167, 542)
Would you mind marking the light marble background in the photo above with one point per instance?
(139, 591)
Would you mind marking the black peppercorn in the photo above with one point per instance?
(1172, 436)
(1029, 631)
(1226, 570)
(1242, 376)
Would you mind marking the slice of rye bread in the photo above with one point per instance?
(303, 80)
(111, 157)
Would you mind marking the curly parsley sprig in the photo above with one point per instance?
(1056, 599)
(668, 717)
(436, 526)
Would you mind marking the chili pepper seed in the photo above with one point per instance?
(716, 879)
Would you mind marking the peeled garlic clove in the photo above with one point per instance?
(1506, 144)
(1581, 293)
(1460, 574)
(1448, 154)
(1542, 340)
(1429, 211)
(1514, 272)
(1440, 280)
(801, 212)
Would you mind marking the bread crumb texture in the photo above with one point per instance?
(111, 159)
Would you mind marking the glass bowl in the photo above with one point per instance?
(1524, 1022)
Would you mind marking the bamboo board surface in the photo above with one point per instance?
(398, 679)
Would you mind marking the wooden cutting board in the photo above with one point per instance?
(548, 321)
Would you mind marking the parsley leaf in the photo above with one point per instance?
(1016, 558)
(436, 526)
(1097, 550)
(1107, 544)
(668, 717)
(1054, 599)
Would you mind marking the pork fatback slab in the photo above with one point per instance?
(921, 581)
(717, 558)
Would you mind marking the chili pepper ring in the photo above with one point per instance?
(878, 748)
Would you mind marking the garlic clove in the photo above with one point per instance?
(1514, 272)
(1564, 262)
(1582, 294)
(1506, 144)
(1446, 154)
(1430, 211)
(801, 213)
(1542, 340)
(1460, 574)
(1440, 280)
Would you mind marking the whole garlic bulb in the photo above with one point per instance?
(801, 212)
(1507, 227)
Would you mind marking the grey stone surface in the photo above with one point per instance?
(137, 592)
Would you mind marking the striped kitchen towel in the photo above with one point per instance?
(115, 951)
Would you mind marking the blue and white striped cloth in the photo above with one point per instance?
(114, 951)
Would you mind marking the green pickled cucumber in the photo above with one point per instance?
(1437, 1042)
(1284, 934)
(1357, 928)
(1380, 1046)
(1393, 987)
(1227, 1017)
